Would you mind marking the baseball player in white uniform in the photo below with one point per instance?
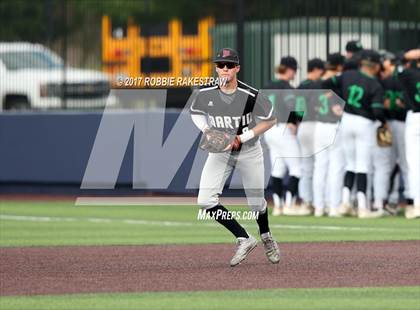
(363, 95)
(238, 108)
(308, 103)
(329, 163)
(282, 141)
(385, 158)
(409, 78)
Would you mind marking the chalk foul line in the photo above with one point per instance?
(25, 218)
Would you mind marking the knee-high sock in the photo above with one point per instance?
(262, 222)
(361, 184)
(348, 185)
(292, 189)
(292, 185)
(231, 224)
(277, 201)
(277, 185)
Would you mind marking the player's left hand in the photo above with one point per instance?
(217, 141)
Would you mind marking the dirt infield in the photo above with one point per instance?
(58, 270)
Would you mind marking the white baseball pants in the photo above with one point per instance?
(385, 158)
(219, 166)
(358, 134)
(328, 166)
(412, 142)
(284, 151)
(306, 139)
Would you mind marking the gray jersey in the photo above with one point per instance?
(236, 112)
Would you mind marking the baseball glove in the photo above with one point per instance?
(217, 141)
(383, 136)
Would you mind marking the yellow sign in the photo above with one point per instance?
(174, 54)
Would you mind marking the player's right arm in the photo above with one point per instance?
(198, 111)
(200, 121)
(197, 103)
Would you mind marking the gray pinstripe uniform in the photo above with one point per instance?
(236, 113)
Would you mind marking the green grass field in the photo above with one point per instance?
(401, 298)
(63, 223)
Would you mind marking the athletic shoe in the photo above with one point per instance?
(391, 209)
(305, 209)
(319, 212)
(290, 210)
(277, 211)
(367, 214)
(346, 209)
(327, 209)
(333, 213)
(271, 248)
(409, 212)
(245, 246)
(297, 210)
(412, 212)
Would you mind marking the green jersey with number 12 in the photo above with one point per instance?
(363, 94)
